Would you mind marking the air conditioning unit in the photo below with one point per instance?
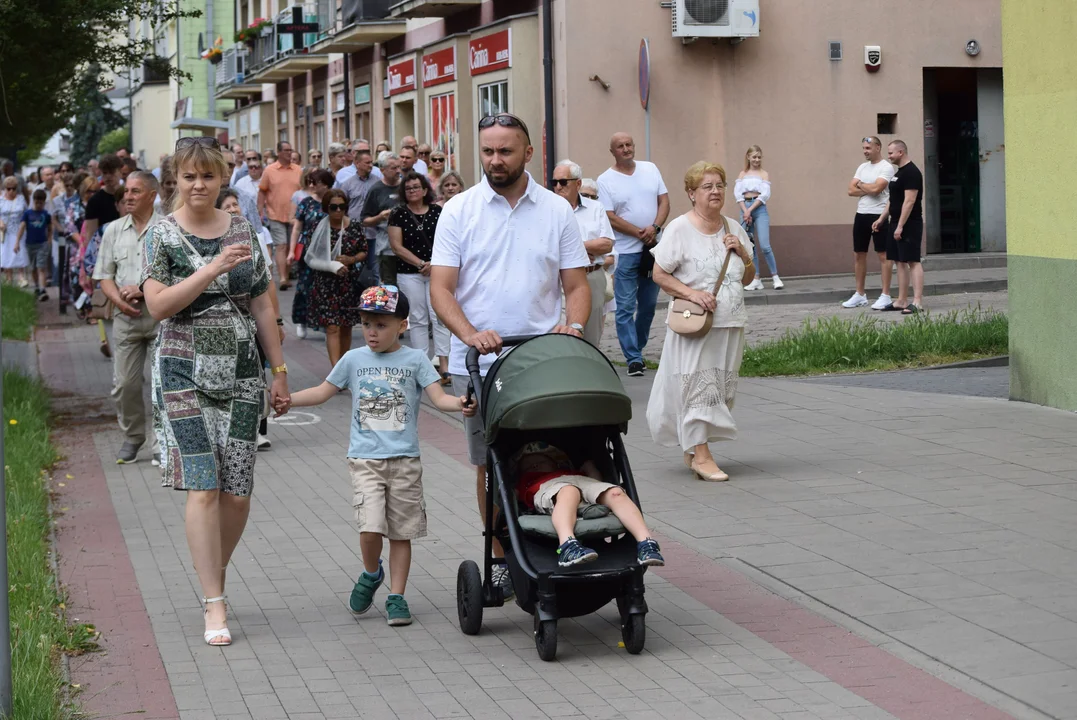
(716, 18)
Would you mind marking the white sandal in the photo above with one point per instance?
(210, 635)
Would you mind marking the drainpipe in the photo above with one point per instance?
(347, 99)
(547, 68)
(211, 74)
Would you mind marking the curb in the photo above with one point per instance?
(990, 362)
(836, 296)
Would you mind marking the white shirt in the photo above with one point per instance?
(420, 167)
(633, 198)
(751, 184)
(264, 241)
(350, 171)
(868, 173)
(510, 260)
(246, 186)
(594, 223)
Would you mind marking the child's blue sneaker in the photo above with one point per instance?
(572, 552)
(647, 553)
(396, 607)
(363, 592)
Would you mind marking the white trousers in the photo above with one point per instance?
(421, 315)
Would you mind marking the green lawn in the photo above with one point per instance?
(18, 312)
(39, 633)
(838, 345)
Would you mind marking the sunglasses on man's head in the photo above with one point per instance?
(204, 141)
(337, 207)
(561, 182)
(504, 120)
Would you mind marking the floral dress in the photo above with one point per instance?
(208, 384)
(11, 213)
(334, 300)
(308, 212)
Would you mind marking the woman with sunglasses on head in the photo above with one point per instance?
(412, 225)
(308, 213)
(450, 185)
(207, 283)
(335, 256)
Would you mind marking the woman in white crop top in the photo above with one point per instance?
(752, 191)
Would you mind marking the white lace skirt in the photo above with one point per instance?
(695, 389)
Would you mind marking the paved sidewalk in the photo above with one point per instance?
(942, 535)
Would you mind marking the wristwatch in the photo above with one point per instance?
(577, 327)
(657, 228)
(283, 368)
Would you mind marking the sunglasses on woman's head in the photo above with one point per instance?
(204, 141)
(335, 207)
(504, 120)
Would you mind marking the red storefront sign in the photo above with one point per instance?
(402, 76)
(493, 52)
(439, 67)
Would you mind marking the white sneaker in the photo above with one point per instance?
(301, 331)
(857, 300)
(882, 302)
(756, 284)
(778, 284)
(263, 442)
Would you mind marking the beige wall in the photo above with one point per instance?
(151, 117)
(710, 99)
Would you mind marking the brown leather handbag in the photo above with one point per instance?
(691, 320)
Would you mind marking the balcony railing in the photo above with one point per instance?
(231, 70)
(272, 46)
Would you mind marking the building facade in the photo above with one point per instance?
(1042, 261)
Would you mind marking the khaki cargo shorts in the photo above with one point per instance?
(388, 496)
(590, 489)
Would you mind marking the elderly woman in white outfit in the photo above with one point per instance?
(696, 384)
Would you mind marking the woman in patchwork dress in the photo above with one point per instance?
(206, 283)
(694, 390)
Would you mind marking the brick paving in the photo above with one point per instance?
(938, 530)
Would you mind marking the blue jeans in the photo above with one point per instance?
(760, 230)
(630, 290)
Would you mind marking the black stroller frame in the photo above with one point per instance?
(543, 589)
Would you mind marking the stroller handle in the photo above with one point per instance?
(471, 363)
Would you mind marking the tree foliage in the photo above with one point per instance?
(94, 116)
(114, 140)
(45, 43)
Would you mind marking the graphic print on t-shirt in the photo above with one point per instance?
(381, 402)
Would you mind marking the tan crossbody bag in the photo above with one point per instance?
(688, 319)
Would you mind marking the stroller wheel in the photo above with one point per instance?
(546, 638)
(634, 632)
(469, 597)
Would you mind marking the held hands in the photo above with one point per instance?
(279, 397)
(485, 341)
(229, 258)
(424, 269)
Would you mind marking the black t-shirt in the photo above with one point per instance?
(420, 243)
(907, 177)
(102, 208)
(381, 197)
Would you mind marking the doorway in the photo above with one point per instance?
(963, 154)
(403, 121)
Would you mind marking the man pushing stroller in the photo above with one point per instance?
(548, 483)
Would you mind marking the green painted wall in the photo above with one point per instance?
(1040, 64)
(201, 70)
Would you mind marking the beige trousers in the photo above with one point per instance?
(132, 341)
(592, 331)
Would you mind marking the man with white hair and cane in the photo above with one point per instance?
(597, 234)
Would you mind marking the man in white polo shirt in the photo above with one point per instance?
(502, 253)
(871, 186)
(597, 237)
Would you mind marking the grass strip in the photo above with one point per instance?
(18, 312)
(866, 344)
(39, 632)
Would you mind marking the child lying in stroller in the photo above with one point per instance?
(549, 484)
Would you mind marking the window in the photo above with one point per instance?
(255, 141)
(835, 49)
(319, 135)
(319, 105)
(282, 136)
(299, 112)
(886, 123)
(493, 98)
(282, 116)
(338, 101)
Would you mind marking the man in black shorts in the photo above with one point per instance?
(905, 230)
(871, 186)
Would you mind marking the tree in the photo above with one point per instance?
(94, 116)
(45, 43)
(113, 141)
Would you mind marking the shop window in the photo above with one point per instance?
(493, 98)
(886, 123)
(319, 105)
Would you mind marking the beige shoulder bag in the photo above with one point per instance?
(688, 319)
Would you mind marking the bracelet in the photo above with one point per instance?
(280, 322)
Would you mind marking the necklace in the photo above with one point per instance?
(707, 222)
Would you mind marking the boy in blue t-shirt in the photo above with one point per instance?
(37, 226)
(385, 379)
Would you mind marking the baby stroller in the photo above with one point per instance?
(563, 390)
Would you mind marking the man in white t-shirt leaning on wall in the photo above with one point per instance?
(871, 185)
(503, 250)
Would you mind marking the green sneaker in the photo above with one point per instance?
(363, 592)
(396, 607)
